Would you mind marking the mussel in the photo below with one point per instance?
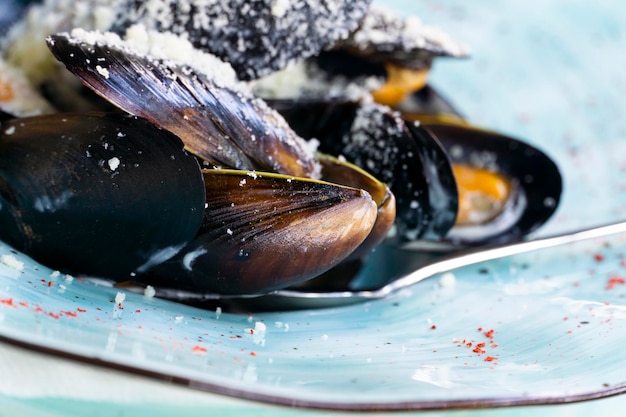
(255, 36)
(91, 194)
(265, 230)
(269, 211)
(213, 114)
(113, 196)
(507, 188)
(425, 137)
(259, 231)
(400, 153)
(445, 153)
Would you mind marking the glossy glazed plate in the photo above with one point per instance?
(516, 331)
(550, 74)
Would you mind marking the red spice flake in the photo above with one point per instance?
(8, 301)
(598, 257)
(99, 308)
(69, 313)
(50, 284)
(478, 350)
(253, 353)
(433, 327)
(489, 333)
(480, 329)
(494, 345)
(54, 315)
(198, 349)
(481, 345)
(614, 281)
(490, 359)
(81, 310)
(137, 311)
(469, 344)
(23, 303)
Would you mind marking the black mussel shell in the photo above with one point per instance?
(96, 194)
(221, 124)
(536, 181)
(427, 105)
(401, 154)
(4, 116)
(262, 232)
(256, 37)
(385, 37)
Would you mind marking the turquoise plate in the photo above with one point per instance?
(541, 328)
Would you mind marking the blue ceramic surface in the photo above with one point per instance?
(540, 328)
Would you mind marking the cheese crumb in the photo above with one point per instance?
(102, 71)
(119, 298)
(114, 163)
(12, 262)
(447, 280)
(149, 291)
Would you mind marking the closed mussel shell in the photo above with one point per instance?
(263, 231)
(96, 194)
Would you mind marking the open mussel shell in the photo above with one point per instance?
(386, 37)
(399, 153)
(427, 105)
(96, 194)
(256, 37)
(222, 124)
(535, 181)
(262, 232)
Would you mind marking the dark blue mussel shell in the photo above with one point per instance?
(106, 195)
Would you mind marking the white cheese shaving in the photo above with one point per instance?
(173, 49)
(149, 291)
(119, 298)
(114, 163)
(12, 262)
